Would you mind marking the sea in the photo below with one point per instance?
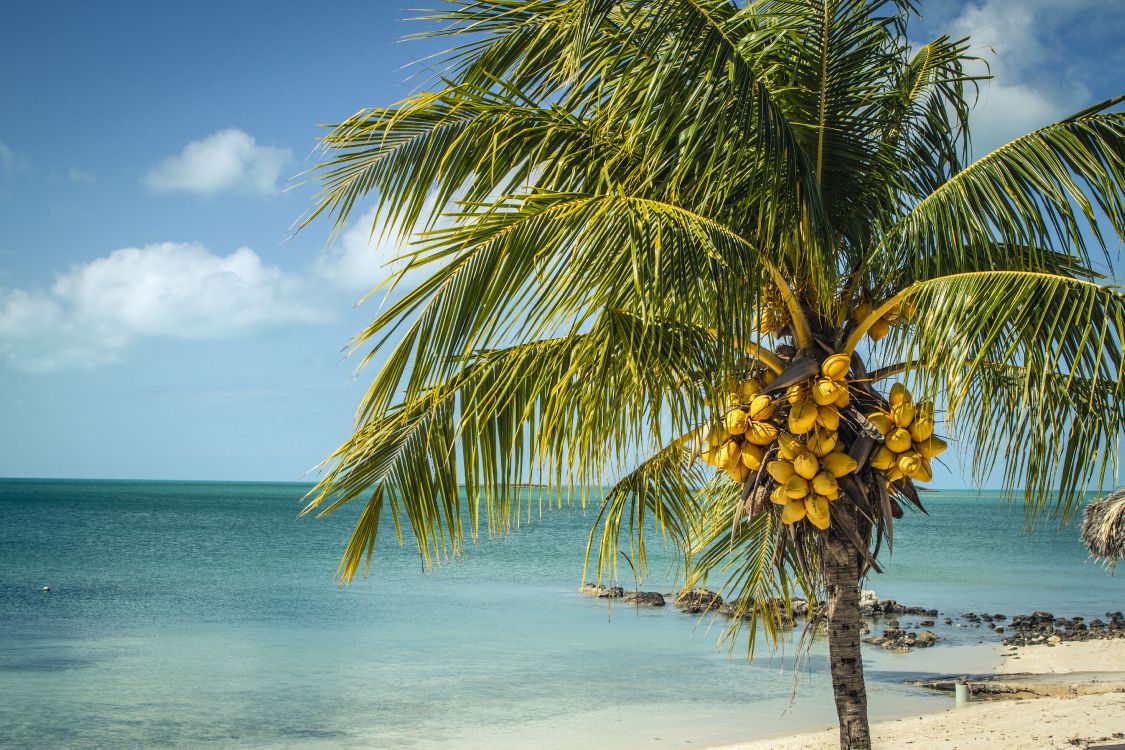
(208, 615)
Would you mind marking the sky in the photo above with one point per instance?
(158, 319)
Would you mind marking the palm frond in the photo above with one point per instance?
(1045, 189)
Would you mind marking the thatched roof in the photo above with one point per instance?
(1103, 527)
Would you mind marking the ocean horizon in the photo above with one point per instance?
(206, 615)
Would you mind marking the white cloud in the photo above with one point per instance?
(364, 256)
(229, 160)
(1016, 38)
(370, 251)
(93, 312)
(7, 157)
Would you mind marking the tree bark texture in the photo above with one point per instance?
(841, 572)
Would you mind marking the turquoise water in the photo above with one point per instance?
(205, 615)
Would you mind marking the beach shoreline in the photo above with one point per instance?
(1087, 708)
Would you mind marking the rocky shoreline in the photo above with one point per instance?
(1039, 627)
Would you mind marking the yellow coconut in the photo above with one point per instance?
(717, 435)
(903, 414)
(843, 398)
(761, 433)
(727, 454)
(883, 458)
(796, 487)
(750, 388)
(898, 441)
(828, 417)
(879, 329)
(883, 422)
(894, 474)
(838, 464)
(899, 394)
(924, 473)
(822, 442)
(909, 463)
(779, 496)
(802, 417)
(862, 312)
(816, 510)
(931, 447)
(797, 393)
(780, 470)
(793, 512)
(761, 408)
(836, 366)
(768, 377)
(736, 421)
(751, 456)
(788, 446)
(921, 428)
(806, 465)
(738, 471)
(824, 483)
(825, 391)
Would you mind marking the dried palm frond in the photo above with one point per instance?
(1103, 528)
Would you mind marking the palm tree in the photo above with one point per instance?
(673, 232)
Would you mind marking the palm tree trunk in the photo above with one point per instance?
(841, 573)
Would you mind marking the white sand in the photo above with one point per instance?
(1072, 656)
(1041, 723)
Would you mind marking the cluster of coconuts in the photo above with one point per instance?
(811, 456)
(882, 326)
(808, 456)
(773, 317)
(909, 442)
(748, 430)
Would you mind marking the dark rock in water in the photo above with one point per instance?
(602, 592)
(695, 601)
(999, 617)
(999, 629)
(948, 621)
(45, 589)
(895, 639)
(926, 624)
(645, 598)
(891, 624)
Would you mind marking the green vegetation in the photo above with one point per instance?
(662, 218)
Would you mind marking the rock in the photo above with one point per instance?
(999, 617)
(896, 639)
(948, 621)
(602, 592)
(695, 601)
(892, 623)
(868, 599)
(645, 598)
(1054, 639)
(926, 624)
(999, 629)
(45, 589)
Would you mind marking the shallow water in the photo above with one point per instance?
(205, 615)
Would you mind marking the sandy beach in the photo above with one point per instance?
(1041, 723)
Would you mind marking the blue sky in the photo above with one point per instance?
(155, 322)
